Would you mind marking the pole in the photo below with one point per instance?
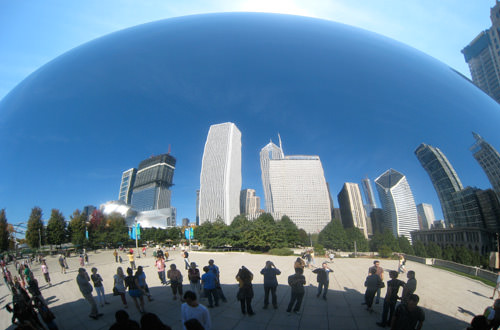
(498, 250)
(355, 249)
(39, 238)
(310, 240)
(136, 241)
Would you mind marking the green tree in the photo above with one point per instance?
(385, 238)
(405, 246)
(463, 256)
(289, 230)
(333, 236)
(303, 237)
(355, 235)
(236, 230)
(4, 231)
(35, 231)
(433, 250)
(448, 253)
(117, 229)
(419, 249)
(56, 228)
(76, 228)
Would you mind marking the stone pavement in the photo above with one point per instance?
(449, 300)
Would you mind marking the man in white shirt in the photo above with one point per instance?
(192, 312)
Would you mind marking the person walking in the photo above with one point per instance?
(245, 293)
(401, 264)
(86, 257)
(115, 254)
(323, 279)
(270, 283)
(194, 278)
(45, 272)
(82, 264)
(296, 282)
(497, 287)
(141, 279)
(119, 285)
(131, 259)
(62, 264)
(372, 284)
(391, 297)
(99, 288)
(134, 290)
(83, 281)
(192, 310)
(208, 281)
(160, 267)
(380, 273)
(215, 270)
(175, 277)
(186, 259)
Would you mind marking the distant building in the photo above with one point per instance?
(467, 211)
(478, 240)
(443, 177)
(298, 189)
(397, 200)
(490, 209)
(426, 216)
(88, 210)
(220, 179)
(370, 202)
(487, 156)
(438, 224)
(336, 214)
(197, 207)
(332, 206)
(249, 202)
(351, 207)
(151, 190)
(185, 222)
(269, 152)
(483, 56)
(126, 186)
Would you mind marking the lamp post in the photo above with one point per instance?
(137, 241)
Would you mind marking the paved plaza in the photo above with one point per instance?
(449, 300)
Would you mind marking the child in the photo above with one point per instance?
(99, 288)
(372, 283)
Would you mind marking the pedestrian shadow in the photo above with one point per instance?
(478, 294)
(53, 285)
(465, 311)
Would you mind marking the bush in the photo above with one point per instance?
(384, 251)
(281, 252)
(319, 250)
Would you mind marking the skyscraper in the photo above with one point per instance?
(489, 159)
(220, 179)
(426, 215)
(151, 190)
(269, 152)
(369, 196)
(352, 208)
(298, 188)
(128, 179)
(400, 212)
(483, 56)
(443, 177)
(249, 202)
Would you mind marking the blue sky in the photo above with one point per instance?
(32, 35)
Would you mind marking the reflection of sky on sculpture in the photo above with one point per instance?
(361, 102)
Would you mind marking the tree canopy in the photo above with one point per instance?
(35, 230)
(56, 228)
(4, 231)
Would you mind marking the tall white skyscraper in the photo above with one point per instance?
(426, 215)
(298, 189)
(220, 179)
(397, 200)
(351, 206)
(270, 151)
(126, 186)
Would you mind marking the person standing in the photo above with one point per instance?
(175, 277)
(380, 273)
(186, 259)
(191, 309)
(86, 257)
(144, 251)
(497, 287)
(141, 279)
(372, 284)
(216, 271)
(296, 282)
(409, 315)
(160, 267)
(245, 293)
(270, 283)
(402, 263)
(131, 259)
(99, 288)
(299, 263)
(391, 297)
(45, 272)
(119, 285)
(83, 281)
(82, 264)
(323, 279)
(62, 264)
(208, 281)
(410, 286)
(134, 290)
(115, 254)
(194, 278)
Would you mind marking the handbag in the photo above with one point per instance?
(115, 291)
(382, 284)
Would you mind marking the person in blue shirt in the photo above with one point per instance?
(270, 283)
(215, 270)
(208, 282)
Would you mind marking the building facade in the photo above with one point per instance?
(152, 183)
(351, 207)
(397, 200)
(443, 177)
(489, 159)
(426, 215)
(370, 202)
(298, 189)
(126, 186)
(269, 152)
(249, 202)
(220, 179)
(483, 56)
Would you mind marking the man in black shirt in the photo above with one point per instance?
(408, 316)
(391, 297)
